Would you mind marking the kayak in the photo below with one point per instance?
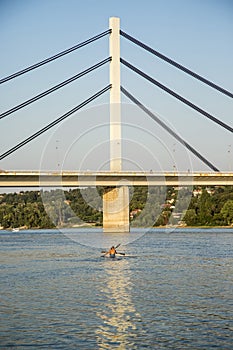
(115, 256)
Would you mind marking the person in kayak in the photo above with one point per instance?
(112, 252)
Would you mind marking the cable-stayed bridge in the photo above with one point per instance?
(116, 202)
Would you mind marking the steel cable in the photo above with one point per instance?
(174, 94)
(54, 88)
(52, 58)
(169, 130)
(55, 122)
(175, 64)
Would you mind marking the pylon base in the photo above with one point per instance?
(116, 209)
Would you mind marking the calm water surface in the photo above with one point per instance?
(171, 291)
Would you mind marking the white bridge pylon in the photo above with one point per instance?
(115, 200)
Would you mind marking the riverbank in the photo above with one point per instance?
(90, 226)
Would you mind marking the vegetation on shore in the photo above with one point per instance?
(156, 206)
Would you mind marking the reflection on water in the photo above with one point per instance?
(119, 316)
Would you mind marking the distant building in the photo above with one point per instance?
(134, 213)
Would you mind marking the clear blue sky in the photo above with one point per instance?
(196, 33)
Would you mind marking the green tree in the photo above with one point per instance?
(204, 216)
(227, 212)
(190, 217)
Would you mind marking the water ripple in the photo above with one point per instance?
(173, 291)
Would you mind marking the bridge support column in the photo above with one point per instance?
(116, 209)
(115, 200)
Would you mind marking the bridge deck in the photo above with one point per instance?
(107, 178)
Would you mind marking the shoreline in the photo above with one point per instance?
(18, 229)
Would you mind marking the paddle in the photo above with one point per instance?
(118, 245)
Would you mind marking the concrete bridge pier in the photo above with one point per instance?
(116, 209)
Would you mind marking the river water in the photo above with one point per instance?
(173, 290)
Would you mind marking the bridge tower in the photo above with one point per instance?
(115, 200)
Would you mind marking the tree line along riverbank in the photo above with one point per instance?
(149, 206)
